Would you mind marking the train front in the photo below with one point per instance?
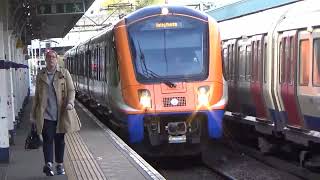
(171, 77)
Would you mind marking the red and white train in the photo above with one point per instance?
(272, 65)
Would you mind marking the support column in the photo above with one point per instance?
(9, 80)
(4, 135)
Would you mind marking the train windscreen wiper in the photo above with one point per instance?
(147, 72)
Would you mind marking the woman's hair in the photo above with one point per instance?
(51, 51)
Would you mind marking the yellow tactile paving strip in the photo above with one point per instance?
(80, 164)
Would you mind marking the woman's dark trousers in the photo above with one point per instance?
(49, 136)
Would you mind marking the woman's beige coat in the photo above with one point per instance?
(65, 93)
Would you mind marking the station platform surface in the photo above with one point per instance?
(94, 152)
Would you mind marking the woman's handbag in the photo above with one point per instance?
(33, 140)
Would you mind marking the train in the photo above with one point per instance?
(272, 65)
(158, 73)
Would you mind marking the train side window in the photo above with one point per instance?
(88, 59)
(76, 65)
(231, 62)
(290, 60)
(98, 63)
(225, 63)
(248, 63)
(235, 59)
(254, 61)
(95, 64)
(304, 58)
(230, 58)
(101, 64)
(264, 67)
(316, 62)
(282, 61)
(106, 56)
(82, 64)
(69, 65)
(114, 65)
(242, 63)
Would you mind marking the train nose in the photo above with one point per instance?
(177, 128)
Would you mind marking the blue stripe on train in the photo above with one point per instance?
(4, 155)
(215, 123)
(136, 128)
(279, 118)
(312, 122)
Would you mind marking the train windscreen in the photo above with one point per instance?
(169, 47)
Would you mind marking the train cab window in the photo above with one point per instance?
(265, 56)
(316, 62)
(181, 51)
(304, 60)
(248, 63)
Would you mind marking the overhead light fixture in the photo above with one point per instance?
(164, 11)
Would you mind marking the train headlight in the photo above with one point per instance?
(145, 98)
(203, 95)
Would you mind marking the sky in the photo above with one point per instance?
(97, 4)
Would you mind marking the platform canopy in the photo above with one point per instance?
(43, 19)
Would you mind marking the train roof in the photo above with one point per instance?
(306, 15)
(157, 9)
(293, 16)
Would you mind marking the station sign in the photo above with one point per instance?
(60, 8)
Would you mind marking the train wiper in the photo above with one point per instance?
(149, 72)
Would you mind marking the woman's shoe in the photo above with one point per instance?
(47, 169)
(60, 170)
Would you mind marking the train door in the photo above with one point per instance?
(232, 77)
(256, 85)
(247, 106)
(309, 76)
(288, 90)
(241, 69)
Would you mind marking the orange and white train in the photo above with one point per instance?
(158, 71)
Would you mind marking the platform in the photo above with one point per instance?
(95, 152)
